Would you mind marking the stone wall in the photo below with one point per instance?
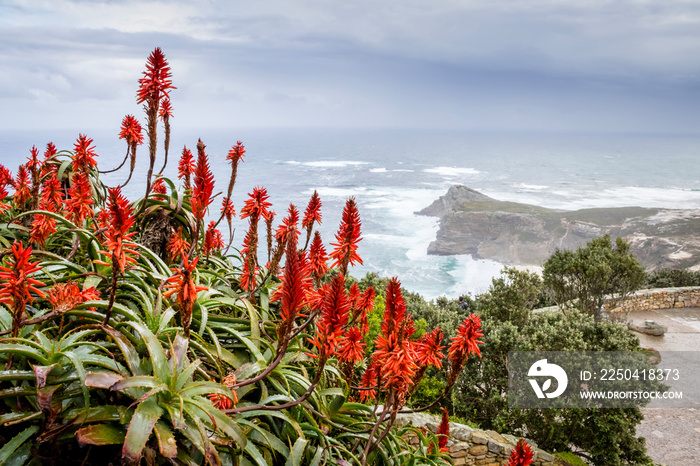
(660, 298)
(470, 446)
(654, 298)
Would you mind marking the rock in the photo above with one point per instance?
(479, 438)
(523, 234)
(478, 450)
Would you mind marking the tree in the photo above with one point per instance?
(607, 436)
(586, 277)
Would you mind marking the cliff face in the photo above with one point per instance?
(523, 234)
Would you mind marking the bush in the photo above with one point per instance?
(671, 278)
(606, 435)
(598, 271)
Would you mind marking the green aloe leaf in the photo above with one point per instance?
(16, 442)
(155, 350)
(101, 434)
(166, 440)
(297, 453)
(140, 428)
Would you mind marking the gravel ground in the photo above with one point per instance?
(672, 435)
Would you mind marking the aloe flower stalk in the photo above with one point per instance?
(203, 189)
(132, 132)
(182, 284)
(464, 344)
(117, 221)
(185, 168)
(318, 259)
(213, 240)
(235, 156)
(293, 292)
(17, 285)
(178, 245)
(80, 201)
(22, 191)
(153, 88)
(311, 215)
(334, 317)
(84, 154)
(165, 113)
(255, 207)
(34, 165)
(443, 431)
(345, 250)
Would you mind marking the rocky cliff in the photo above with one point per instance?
(523, 234)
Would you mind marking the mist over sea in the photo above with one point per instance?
(394, 173)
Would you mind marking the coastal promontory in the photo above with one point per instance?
(523, 234)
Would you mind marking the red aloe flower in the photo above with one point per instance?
(288, 230)
(213, 240)
(185, 168)
(351, 346)
(345, 250)
(428, 349)
(50, 151)
(370, 381)
(22, 191)
(3, 194)
(203, 183)
(166, 110)
(132, 132)
(178, 245)
(521, 455)
(443, 431)
(117, 222)
(394, 351)
(182, 284)
(17, 284)
(318, 258)
(311, 215)
(235, 155)
(159, 187)
(84, 156)
(464, 344)
(220, 401)
(228, 211)
(256, 205)
(47, 168)
(35, 167)
(6, 177)
(334, 317)
(43, 226)
(79, 200)
(51, 194)
(156, 81)
(292, 290)
(65, 296)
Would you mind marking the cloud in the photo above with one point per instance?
(510, 63)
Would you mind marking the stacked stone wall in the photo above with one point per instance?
(660, 298)
(469, 446)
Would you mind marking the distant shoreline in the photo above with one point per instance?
(526, 235)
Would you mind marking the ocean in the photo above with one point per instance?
(395, 173)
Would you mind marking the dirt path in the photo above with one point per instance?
(672, 435)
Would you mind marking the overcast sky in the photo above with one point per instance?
(627, 65)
